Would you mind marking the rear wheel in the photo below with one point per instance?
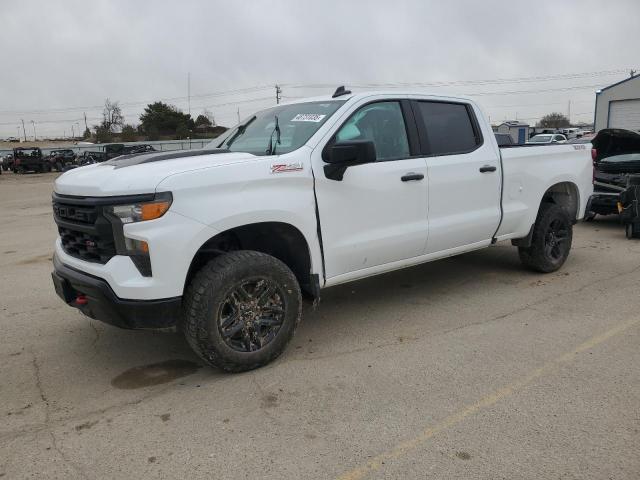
(551, 241)
(241, 309)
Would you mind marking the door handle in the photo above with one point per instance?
(408, 177)
(487, 168)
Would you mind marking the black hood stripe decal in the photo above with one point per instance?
(139, 158)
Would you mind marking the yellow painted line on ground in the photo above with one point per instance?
(408, 445)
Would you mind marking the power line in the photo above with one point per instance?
(544, 78)
(139, 103)
(525, 92)
(256, 88)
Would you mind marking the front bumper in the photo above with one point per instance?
(101, 303)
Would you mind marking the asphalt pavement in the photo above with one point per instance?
(466, 368)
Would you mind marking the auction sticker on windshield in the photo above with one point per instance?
(308, 117)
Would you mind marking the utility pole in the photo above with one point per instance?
(189, 91)
(72, 134)
(24, 132)
(238, 114)
(34, 130)
(85, 121)
(569, 113)
(278, 93)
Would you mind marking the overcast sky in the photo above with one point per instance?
(61, 59)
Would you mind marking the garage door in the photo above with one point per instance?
(625, 114)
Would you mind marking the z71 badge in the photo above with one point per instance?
(286, 167)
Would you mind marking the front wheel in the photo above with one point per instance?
(241, 309)
(551, 241)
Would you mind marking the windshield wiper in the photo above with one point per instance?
(240, 131)
(271, 149)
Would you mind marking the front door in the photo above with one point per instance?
(377, 213)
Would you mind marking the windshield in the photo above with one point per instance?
(540, 139)
(277, 130)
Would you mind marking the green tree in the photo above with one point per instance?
(182, 131)
(202, 121)
(103, 134)
(165, 118)
(86, 134)
(152, 133)
(554, 120)
(128, 134)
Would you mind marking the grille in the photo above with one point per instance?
(84, 231)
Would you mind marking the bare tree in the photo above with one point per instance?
(207, 113)
(554, 120)
(112, 118)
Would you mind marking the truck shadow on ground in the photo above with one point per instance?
(147, 358)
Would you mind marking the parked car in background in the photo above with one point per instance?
(222, 242)
(616, 155)
(547, 139)
(62, 159)
(112, 150)
(7, 162)
(571, 132)
(30, 159)
(504, 139)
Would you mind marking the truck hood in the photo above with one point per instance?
(133, 174)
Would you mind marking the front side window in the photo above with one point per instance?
(449, 128)
(281, 129)
(383, 124)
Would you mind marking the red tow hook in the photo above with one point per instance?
(81, 300)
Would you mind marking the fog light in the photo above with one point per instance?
(136, 246)
(138, 251)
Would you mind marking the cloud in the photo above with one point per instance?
(75, 54)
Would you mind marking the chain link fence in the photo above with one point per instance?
(161, 146)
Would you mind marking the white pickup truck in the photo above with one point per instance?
(224, 242)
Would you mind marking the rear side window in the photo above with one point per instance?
(449, 128)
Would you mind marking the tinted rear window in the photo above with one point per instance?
(449, 128)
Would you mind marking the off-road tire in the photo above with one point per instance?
(206, 294)
(537, 256)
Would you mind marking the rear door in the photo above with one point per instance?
(464, 175)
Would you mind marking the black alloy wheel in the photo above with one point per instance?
(251, 314)
(556, 239)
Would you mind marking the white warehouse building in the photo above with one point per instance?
(618, 105)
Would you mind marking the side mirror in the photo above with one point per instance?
(343, 155)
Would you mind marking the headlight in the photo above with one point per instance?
(139, 212)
